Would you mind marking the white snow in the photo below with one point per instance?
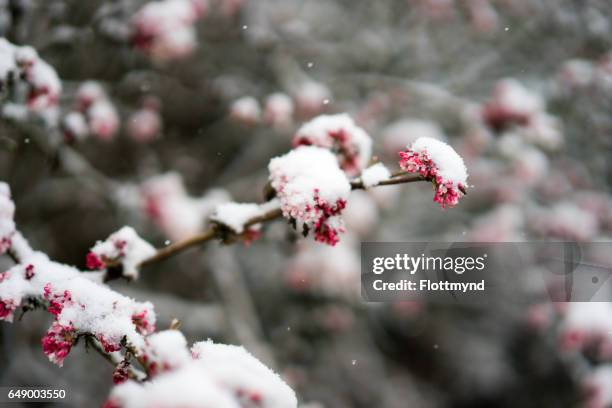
(236, 215)
(78, 301)
(245, 109)
(306, 178)
(374, 174)
(340, 134)
(449, 164)
(166, 350)
(242, 374)
(126, 247)
(217, 376)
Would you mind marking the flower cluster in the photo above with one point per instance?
(277, 112)
(565, 220)
(587, 326)
(145, 124)
(164, 30)
(123, 248)
(312, 191)
(438, 162)
(165, 201)
(351, 144)
(7, 211)
(79, 303)
(213, 375)
(23, 64)
(511, 103)
(94, 114)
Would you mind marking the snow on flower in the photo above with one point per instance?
(165, 351)
(565, 220)
(340, 134)
(373, 175)
(7, 225)
(164, 30)
(214, 375)
(278, 110)
(101, 116)
(79, 302)
(587, 324)
(312, 191)
(75, 126)
(189, 387)
(243, 375)
(310, 98)
(178, 215)
(144, 125)
(124, 248)
(438, 162)
(58, 342)
(23, 63)
(245, 110)
(598, 387)
(511, 103)
(103, 120)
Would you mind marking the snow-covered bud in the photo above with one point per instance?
(75, 126)
(45, 86)
(165, 351)
(311, 98)
(437, 162)
(103, 120)
(374, 175)
(88, 93)
(278, 110)
(124, 248)
(312, 191)
(511, 104)
(144, 125)
(58, 342)
(243, 376)
(565, 220)
(164, 30)
(245, 110)
(598, 387)
(338, 133)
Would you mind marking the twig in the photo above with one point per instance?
(215, 231)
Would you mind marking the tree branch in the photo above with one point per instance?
(215, 231)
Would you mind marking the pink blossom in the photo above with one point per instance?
(511, 104)
(439, 163)
(121, 373)
(7, 308)
(144, 320)
(339, 133)
(164, 30)
(58, 342)
(313, 197)
(144, 125)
